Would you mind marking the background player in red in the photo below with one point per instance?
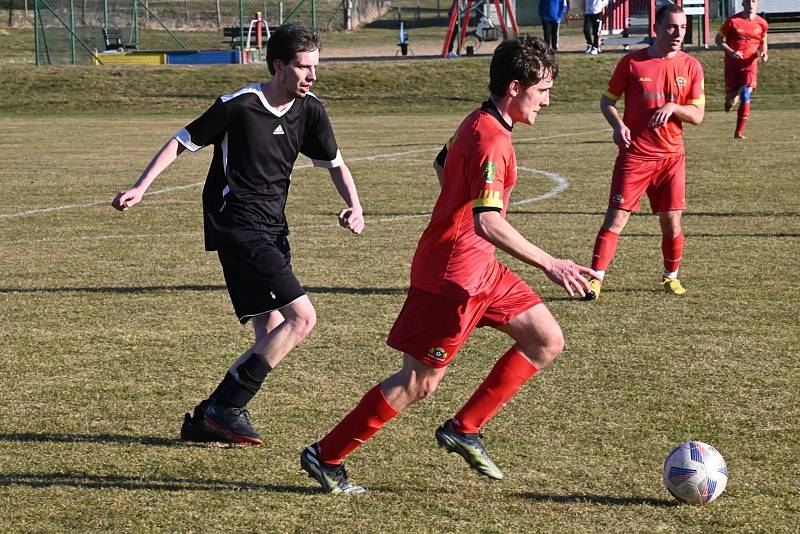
(257, 133)
(743, 37)
(457, 284)
(663, 88)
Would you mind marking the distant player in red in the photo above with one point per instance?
(457, 284)
(743, 37)
(663, 88)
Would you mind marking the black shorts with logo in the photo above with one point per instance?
(259, 276)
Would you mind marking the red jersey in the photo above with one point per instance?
(479, 173)
(649, 83)
(745, 36)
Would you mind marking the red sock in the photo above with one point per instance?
(742, 115)
(672, 249)
(506, 377)
(369, 415)
(605, 246)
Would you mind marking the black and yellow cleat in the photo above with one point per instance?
(468, 446)
(332, 477)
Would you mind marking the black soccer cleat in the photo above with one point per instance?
(195, 429)
(233, 423)
(332, 477)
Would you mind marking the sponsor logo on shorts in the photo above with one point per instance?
(645, 79)
(489, 171)
(437, 353)
(618, 199)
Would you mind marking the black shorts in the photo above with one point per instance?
(259, 276)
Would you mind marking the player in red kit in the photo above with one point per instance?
(457, 284)
(663, 88)
(743, 37)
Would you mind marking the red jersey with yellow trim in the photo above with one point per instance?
(649, 83)
(745, 36)
(479, 173)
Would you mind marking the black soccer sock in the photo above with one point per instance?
(222, 385)
(238, 393)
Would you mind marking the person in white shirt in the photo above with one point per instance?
(592, 22)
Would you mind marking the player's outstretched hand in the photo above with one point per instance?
(569, 275)
(352, 219)
(126, 199)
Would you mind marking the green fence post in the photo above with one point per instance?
(36, 30)
(72, 32)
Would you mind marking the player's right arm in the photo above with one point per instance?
(163, 159)
(617, 86)
(622, 134)
(720, 42)
(204, 130)
(491, 226)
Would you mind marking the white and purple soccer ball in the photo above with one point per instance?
(695, 473)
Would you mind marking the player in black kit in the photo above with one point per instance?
(257, 133)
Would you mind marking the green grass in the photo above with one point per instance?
(114, 325)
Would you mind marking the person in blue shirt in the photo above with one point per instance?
(551, 12)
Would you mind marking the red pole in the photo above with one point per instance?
(259, 25)
(450, 28)
(464, 25)
(501, 18)
(513, 19)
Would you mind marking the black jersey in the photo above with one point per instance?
(255, 148)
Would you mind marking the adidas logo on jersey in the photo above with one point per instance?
(278, 130)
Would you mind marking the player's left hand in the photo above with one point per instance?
(662, 115)
(764, 57)
(569, 275)
(352, 219)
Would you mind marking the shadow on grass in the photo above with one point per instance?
(90, 438)
(84, 480)
(196, 287)
(577, 299)
(138, 483)
(598, 499)
(647, 214)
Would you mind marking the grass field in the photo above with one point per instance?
(113, 325)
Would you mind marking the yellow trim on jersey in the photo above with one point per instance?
(611, 95)
(488, 199)
(697, 101)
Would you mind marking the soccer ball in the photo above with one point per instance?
(695, 473)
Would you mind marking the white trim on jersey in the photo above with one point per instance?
(185, 138)
(256, 90)
(224, 148)
(338, 161)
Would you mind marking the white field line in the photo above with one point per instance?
(561, 184)
(198, 184)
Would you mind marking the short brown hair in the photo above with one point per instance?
(665, 9)
(523, 58)
(288, 40)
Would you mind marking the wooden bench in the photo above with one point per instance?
(112, 36)
(233, 36)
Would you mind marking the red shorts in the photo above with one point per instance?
(664, 181)
(737, 76)
(432, 327)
